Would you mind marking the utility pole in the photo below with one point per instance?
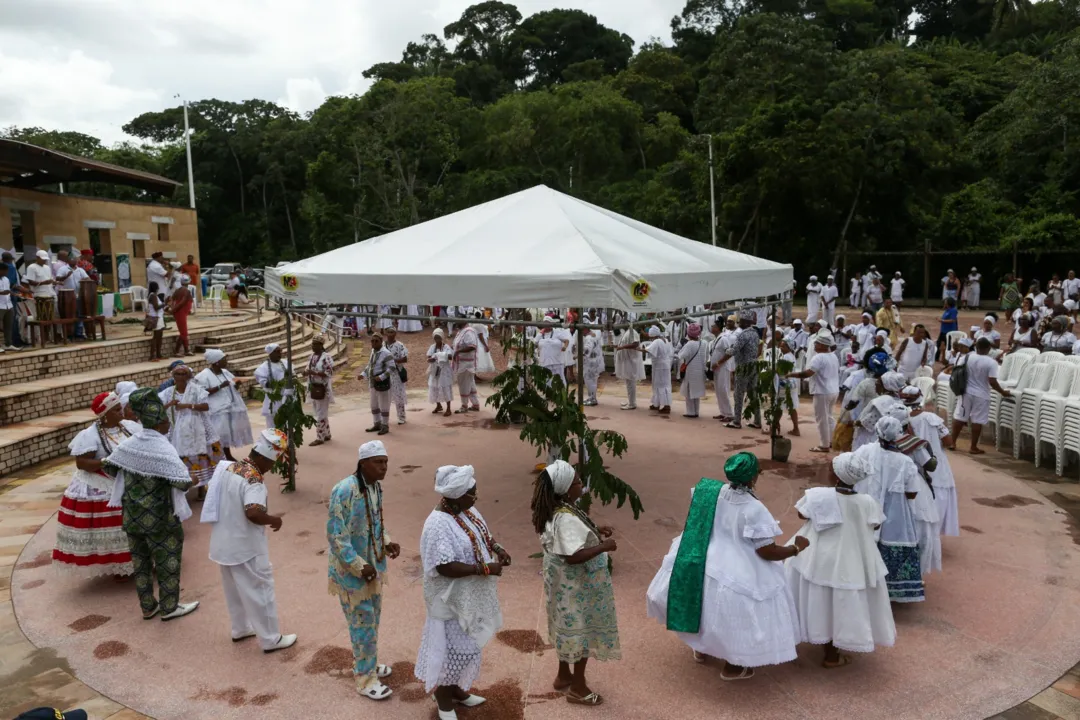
(190, 171)
(712, 191)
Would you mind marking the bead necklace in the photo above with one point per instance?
(103, 435)
(377, 548)
(473, 540)
(573, 510)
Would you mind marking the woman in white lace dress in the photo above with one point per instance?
(440, 374)
(228, 411)
(191, 431)
(461, 562)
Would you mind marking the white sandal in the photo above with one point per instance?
(472, 701)
(382, 671)
(378, 691)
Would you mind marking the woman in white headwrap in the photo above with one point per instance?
(577, 583)
(228, 412)
(191, 432)
(839, 581)
(872, 409)
(894, 482)
(440, 374)
(320, 375)
(272, 370)
(662, 354)
(461, 562)
(987, 331)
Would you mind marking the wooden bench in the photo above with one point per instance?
(44, 328)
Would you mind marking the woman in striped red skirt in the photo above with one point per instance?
(90, 540)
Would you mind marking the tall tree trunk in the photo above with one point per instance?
(288, 217)
(841, 245)
(240, 170)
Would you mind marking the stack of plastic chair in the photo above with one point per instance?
(1075, 359)
(943, 397)
(1034, 375)
(1031, 402)
(1011, 368)
(1050, 356)
(1070, 432)
(1051, 427)
(1030, 352)
(928, 387)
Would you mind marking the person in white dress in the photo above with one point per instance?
(440, 374)
(986, 330)
(629, 364)
(973, 289)
(236, 505)
(856, 291)
(813, 299)
(320, 375)
(720, 348)
(839, 582)
(735, 605)
(592, 364)
(461, 563)
(399, 395)
(411, 326)
(914, 352)
(550, 352)
(387, 321)
(693, 359)
(228, 411)
(273, 369)
(464, 367)
(484, 361)
(191, 432)
(663, 354)
(896, 289)
(924, 508)
(829, 293)
(930, 427)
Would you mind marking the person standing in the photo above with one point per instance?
(70, 291)
(829, 293)
(236, 506)
(1070, 286)
(930, 427)
(914, 352)
(888, 319)
(856, 290)
(379, 368)
(156, 273)
(65, 291)
(461, 563)
(824, 374)
(272, 371)
(745, 351)
(592, 364)
(320, 376)
(359, 548)
(440, 374)
(191, 431)
(39, 277)
(720, 348)
(191, 269)
(721, 586)
(950, 286)
(399, 378)
(662, 354)
(973, 290)
(839, 582)
(86, 263)
(580, 599)
(896, 292)
(973, 405)
(7, 310)
(464, 367)
(179, 306)
(875, 295)
(150, 484)
(813, 299)
(12, 274)
(694, 359)
(629, 364)
(550, 352)
(228, 411)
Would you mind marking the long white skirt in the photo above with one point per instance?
(233, 428)
(484, 362)
(948, 510)
(929, 535)
(853, 620)
(734, 627)
(447, 656)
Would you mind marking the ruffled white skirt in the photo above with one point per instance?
(948, 510)
(853, 620)
(233, 428)
(484, 362)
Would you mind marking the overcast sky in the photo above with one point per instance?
(92, 65)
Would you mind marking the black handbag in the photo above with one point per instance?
(403, 373)
(381, 385)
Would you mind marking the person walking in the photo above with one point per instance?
(179, 306)
(662, 354)
(980, 376)
(723, 337)
(440, 374)
(824, 374)
(379, 368)
(271, 372)
(320, 376)
(694, 359)
(228, 411)
(464, 366)
(398, 392)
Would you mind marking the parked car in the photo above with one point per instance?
(220, 274)
(254, 278)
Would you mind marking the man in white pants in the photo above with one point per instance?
(236, 505)
(973, 406)
(464, 367)
(721, 347)
(377, 372)
(824, 374)
(829, 293)
(629, 364)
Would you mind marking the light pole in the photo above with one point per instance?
(712, 191)
(190, 171)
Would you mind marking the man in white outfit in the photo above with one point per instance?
(829, 293)
(721, 347)
(824, 374)
(236, 506)
(551, 351)
(270, 371)
(813, 299)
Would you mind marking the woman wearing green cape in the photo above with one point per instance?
(721, 586)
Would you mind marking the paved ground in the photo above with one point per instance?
(998, 628)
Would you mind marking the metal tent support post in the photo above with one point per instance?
(580, 382)
(289, 386)
(776, 397)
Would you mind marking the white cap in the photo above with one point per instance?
(373, 448)
(42, 254)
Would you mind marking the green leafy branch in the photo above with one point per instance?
(291, 419)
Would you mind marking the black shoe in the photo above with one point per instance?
(384, 430)
(376, 428)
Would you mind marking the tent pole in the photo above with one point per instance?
(289, 385)
(580, 381)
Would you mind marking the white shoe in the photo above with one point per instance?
(471, 701)
(245, 636)
(12, 348)
(400, 422)
(447, 715)
(181, 610)
(285, 641)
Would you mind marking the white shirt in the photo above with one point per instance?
(156, 273)
(829, 293)
(234, 539)
(912, 357)
(897, 291)
(826, 377)
(874, 293)
(1070, 287)
(550, 351)
(5, 300)
(76, 275)
(980, 368)
(40, 273)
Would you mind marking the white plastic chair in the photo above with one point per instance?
(927, 386)
(1063, 374)
(1051, 427)
(1075, 359)
(952, 337)
(138, 297)
(1036, 376)
(1049, 356)
(1012, 367)
(1070, 432)
(216, 297)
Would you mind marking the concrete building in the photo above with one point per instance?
(123, 235)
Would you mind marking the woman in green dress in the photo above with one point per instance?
(577, 582)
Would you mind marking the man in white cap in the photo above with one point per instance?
(973, 406)
(896, 289)
(359, 548)
(272, 370)
(798, 338)
(464, 346)
(745, 350)
(662, 354)
(824, 374)
(236, 506)
(829, 293)
(377, 373)
(39, 276)
(813, 299)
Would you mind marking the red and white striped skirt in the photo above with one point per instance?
(91, 540)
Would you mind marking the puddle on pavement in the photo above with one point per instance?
(235, 696)
(32, 584)
(1006, 501)
(89, 622)
(814, 472)
(332, 660)
(110, 649)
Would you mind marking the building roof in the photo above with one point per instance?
(28, 166)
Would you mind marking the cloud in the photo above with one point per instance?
(93, 65)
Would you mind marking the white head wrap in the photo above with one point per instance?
(124, 399)
(796, 321)
(966, 342)
(373, 448)
(271, 444)
(975, 329)
(897, 273)
(453, 481)
(42, 254)
(813, 278)
(850, 467)
(974, 270)
(868, 316)
(889, 428)
(271, 348)
(893, 381)
(912, 396)
(990, 319)
(125, 387)
(655, 332)
(213, 355)
(841, 317)
(438, 333)
(882, 333)
(175, 264)
(562, 476)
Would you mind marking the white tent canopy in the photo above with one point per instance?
(535, 248)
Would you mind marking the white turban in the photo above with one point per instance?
(841, 317)
(271, 444)
(830, 278)
(213, 355)
(654, 332)
(868, 316)
(42, 254)
(966, 342)
(796, 321)
(438, 333)
(974, 270)
(271, 348)
(912, 396)
(889, 429)
(124, 399)
(126, 387)
(893, 381)
(850, 467)
(991, 319)
(373, 448)
(562, 476)
(899, 411)
(453, 481)
(813, 278)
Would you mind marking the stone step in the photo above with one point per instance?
(213, 339)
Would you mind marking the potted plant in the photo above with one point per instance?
(773, 400)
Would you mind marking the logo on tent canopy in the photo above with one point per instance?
(640, 291)
(290, 283)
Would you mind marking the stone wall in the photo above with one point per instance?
(47, 445)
